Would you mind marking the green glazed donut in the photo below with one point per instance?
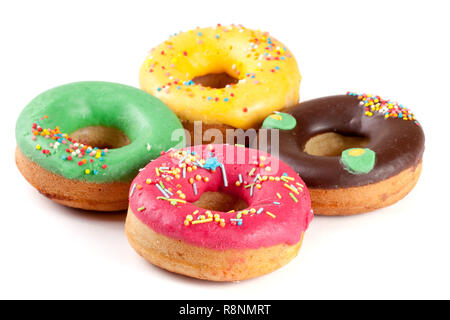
(44, 127)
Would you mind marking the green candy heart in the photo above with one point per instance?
(279, 120)
(358, 160)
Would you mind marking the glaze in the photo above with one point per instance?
(146, 121)
(395, 136)
(279, 210)
(266, 72)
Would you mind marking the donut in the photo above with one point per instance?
(356, 153)
(225, 77)
(218, 212)
(82, 143)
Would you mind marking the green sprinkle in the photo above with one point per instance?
(358, 160)
(293, 197)
(141, 209)
(279, 120)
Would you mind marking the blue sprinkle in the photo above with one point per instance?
(199, 34)
(224, 174)
(259, 210)
(195, 188)
(225, 99)
(275, 202)
(64, 157)
(159, 89)
(132, 189)
(160, 189)
(211, 163)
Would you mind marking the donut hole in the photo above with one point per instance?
(101, 137)
(220, 201)
(215, 80)
(331, 144)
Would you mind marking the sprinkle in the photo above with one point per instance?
(224, 175)
(171, 200)
(278, 195)
(271, 214)
(162, 190)
(202, 221)
(141, 209)
(132, 189)
(251, 172)
(277, 203)
(195, 188)
(292, 188)
(259, 210)
(293, 197)
(375, 104)
(240, 178)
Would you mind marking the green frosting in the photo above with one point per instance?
(146, 120)
(280, 120)
(358, 160)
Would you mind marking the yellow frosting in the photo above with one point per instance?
(268, 75)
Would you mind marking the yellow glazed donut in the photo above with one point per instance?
(223, 76)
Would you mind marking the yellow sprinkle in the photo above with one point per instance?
(271, 214)
(87, 171)
(278, 195)
(356, 152)
(202, 221)
(276, 116)
(291, 188)
(38, 147)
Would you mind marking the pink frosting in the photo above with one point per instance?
(269, 219)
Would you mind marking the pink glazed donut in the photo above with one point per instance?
(218, 212)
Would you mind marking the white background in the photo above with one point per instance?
(397, 49)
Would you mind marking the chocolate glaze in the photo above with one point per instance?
(398, 144)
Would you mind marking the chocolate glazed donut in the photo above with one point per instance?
(395, 144)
